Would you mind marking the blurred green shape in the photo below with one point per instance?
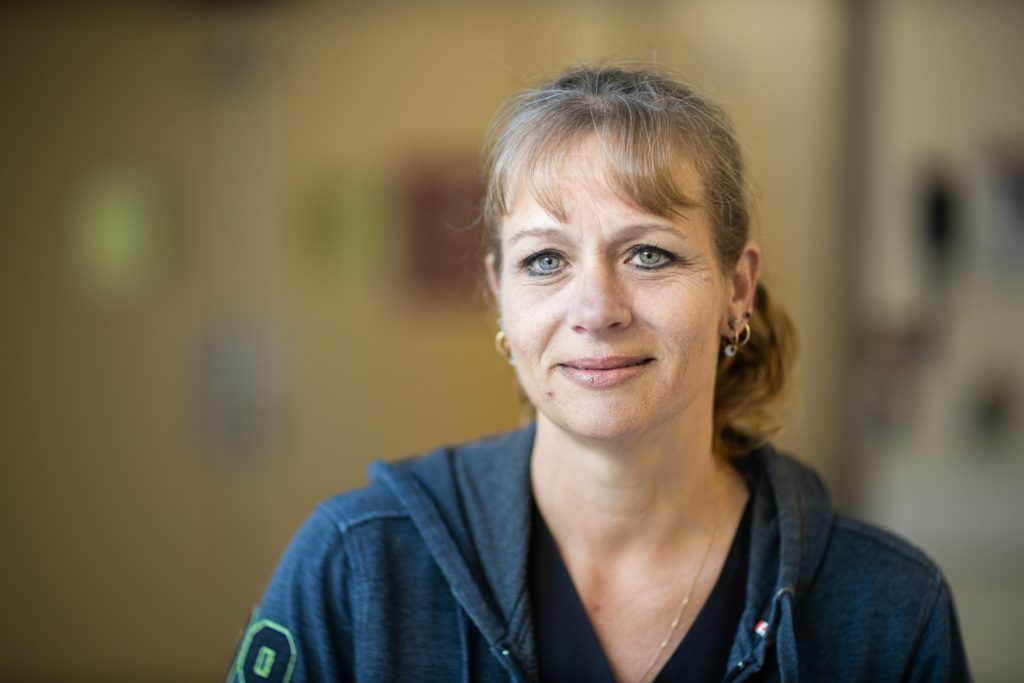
(120, 241)
(351, 218)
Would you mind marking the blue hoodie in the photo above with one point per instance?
(421, 576)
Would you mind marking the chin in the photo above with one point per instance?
(599, 423)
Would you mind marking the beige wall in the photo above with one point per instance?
(133, 546)
(947, 97)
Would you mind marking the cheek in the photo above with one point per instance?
(528, 314)
(687, 316)
(682, 300)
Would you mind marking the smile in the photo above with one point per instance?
(599, 373)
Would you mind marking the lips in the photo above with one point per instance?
(604, 372)
(609, 363)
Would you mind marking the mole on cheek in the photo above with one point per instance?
(706, 277)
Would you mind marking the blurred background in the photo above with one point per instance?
(237, 265)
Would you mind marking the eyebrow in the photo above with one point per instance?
(625, 234)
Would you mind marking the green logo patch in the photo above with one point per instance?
(267, 653)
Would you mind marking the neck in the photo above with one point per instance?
(647, 497)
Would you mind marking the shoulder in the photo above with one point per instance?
(871, 551)
(399, 490)
(800, 493)
(891, 579)
(382, 499)
(893, 583)
(876, 592)
(315, 601)
(306, 607)
(351, 510)
(370, 563)
(322, 547)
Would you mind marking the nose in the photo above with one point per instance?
(600, 301)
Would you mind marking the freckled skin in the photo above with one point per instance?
(594, 300)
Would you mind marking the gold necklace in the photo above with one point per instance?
(684, 603)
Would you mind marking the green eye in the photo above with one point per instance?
(543, 263)
(547, 263)
(649, 257)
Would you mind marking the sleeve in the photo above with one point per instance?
(939, 655)
(301, 630)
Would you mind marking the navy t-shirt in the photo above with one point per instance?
(568, 649)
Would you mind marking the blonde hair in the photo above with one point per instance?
(648, 122)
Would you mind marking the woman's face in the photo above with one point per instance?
(614, 317)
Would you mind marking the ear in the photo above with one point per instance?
(742, 285)
(492, 276)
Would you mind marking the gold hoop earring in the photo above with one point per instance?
(740, 338)
(501, 344)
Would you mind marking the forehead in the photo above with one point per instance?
(565, 182)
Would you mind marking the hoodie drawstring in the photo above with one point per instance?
(464, 643)
(785, 642)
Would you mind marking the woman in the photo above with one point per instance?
(640, 529)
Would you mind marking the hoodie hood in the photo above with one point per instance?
(472, 505)
(791, 525)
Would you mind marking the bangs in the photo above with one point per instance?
(645, 159)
